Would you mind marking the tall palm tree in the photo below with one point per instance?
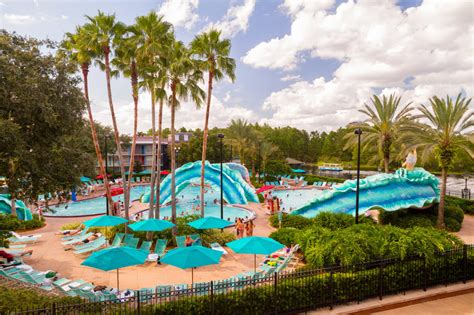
(102, 33)
(126, 61)
(450, 132)
(386, 120)
(213, 53)
(238, 135)
(76, 50)
(154, 35)
(266, 150)
(183, 77)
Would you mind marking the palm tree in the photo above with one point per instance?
(102, 33)
(214, 58)
(452, 124)
(126, 61)
(154, 35)
(266, 150)
(183, 77)
(386, 121)
(238, 134)
(75, 49)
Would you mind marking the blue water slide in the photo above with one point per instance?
(391, 192)
(22, 211)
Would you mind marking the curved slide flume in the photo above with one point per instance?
(22, 211)
(236, 189)
(391, 192)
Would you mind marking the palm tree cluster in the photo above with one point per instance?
(443, 128)
(148, 53)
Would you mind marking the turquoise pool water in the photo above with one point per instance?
(91, 206)
(293, 199)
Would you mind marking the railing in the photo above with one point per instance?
(289, 292)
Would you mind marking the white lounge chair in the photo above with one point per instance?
(17, 238)
(218, 247)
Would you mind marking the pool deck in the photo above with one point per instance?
(49, 254)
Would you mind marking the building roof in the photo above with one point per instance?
(293, 161)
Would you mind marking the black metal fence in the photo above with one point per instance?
(289, 292)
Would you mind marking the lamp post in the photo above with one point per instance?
(221, 136)
(106, 169)
(358, 132)
(466, 191)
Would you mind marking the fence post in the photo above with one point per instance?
(424, 274)
(331, 290)
(380, 281)
(138, 302)
(275, 291)
(446, 269)
(53, 308)
(464, 263)
(212, 297)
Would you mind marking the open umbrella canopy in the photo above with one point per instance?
(191, 257)
(165, 172)
(264, 188)
(115, 257)
(115, 191)
(105, 220)
(145, 172)
(298, 170)
(85, 179)
(102, 177)
(155, 225)
(255, 245)
(209, 223)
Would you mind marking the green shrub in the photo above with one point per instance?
(293, 220)
(286, 236)
(261, 198)
(71, 226)
(454, 212)
(466, 205)
(333, 221)
(12, 223)
(216, 236)
(452, 225)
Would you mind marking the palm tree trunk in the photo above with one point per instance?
(134, 80)
(204, 138)
(103, 171)
(116, 132)
(386, 160)
(153, 155)
(440, 221)
(158, 166)
(173, 160)
(13, 206)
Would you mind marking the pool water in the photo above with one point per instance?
(91, 206)
(295, 198)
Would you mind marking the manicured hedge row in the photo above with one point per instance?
(466, 205)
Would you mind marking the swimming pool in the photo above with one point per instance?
(295, 198)
(90, 206)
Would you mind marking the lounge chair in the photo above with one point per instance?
(133, 180)
(71, 237)
(117, 239)
(218, 247)
(160, 248)
(17, 238)
(145, 246)
(92, 246)
(180, 241)
(133, 243)
(127, 238)
(60, 282)
(78, 239)
(162, 289)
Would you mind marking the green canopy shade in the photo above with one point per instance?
(105, 220)
(255, 245)
(298, 170)
(145, 172)
(115, 258)
(209, 223)
(153, 225)
(85, 179)
(192, 257)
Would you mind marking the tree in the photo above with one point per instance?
(238, 134)
(452, 124)
(213, 54)
(75, 48)
(386, 121)
(184, 77)
(102, 33)
(41, 118)
(153, 37)
(267, 150)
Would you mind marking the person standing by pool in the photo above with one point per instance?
(249, 227)
(280, 218)
(240, 228)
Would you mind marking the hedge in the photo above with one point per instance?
(466, 205)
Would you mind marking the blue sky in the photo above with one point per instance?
(305, 63)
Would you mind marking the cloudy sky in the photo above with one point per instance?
(306, 63)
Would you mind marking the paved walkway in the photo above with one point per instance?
(49, 254)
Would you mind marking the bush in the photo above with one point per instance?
(286, 236)
(454, 212)
(12, 223)
(466, 205)
(216, 236)
(452, 225)
(71, 226)
(292, 220)
(333, 221)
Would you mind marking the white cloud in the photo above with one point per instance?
(235, 20)
(64, 17)
(187, 115)
(181, 13)
(17, 19)
(419, 52)
(290, 77)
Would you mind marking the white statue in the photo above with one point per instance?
(410, 161)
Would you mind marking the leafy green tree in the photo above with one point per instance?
(40, 152)
(386, 121)
(450, 132)
(213, 53)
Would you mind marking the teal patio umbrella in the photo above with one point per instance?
(115, 258)
(145, 172)
(85, 179)
(255, 245)
(209, 223)
(192, 257)
(104, 221)
(153, 225)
